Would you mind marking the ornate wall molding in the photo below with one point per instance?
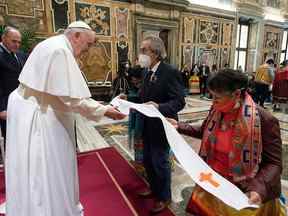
(23, 8)
(272, 43)
(206, 39)
(60, 14)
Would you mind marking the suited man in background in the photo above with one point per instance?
(162, 87)
(11, 64)
(204, 72)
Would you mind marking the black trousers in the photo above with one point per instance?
(203, 85)
(261, 93)
(158, 168)
(3, 128)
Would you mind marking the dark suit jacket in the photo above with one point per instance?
(267, 181)
(201, 71)
(167, 91)
(9, 73)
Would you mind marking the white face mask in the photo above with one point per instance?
(144, 60)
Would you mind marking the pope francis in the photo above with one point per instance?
(41, 168)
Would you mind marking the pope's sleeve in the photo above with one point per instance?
(87, 107)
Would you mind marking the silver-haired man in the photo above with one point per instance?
(163, 88)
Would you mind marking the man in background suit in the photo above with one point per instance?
(162, 87)
(204, 72)
(11, 63)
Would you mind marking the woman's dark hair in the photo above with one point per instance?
(136, 72)
(228, 81)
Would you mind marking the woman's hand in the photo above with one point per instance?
(173, 122)
(254, 198)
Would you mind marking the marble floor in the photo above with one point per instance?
(91, 135)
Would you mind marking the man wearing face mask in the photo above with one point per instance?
(162, 87)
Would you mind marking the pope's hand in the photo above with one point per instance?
(152, 103)
(3, 115)
(114, 114)
(254, 198)
(173, 122)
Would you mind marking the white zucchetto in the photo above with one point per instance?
(79, 24)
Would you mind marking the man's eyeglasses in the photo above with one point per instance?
(145, 50)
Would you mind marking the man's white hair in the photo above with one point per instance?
(157, 46)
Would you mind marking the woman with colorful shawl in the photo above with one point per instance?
(241, 141)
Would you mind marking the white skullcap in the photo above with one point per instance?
(79, 24)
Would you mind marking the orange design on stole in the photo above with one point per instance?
(209, 178)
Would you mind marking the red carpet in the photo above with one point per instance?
(108, 186)
(129, 181)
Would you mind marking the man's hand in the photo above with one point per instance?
(3, 115)
(114, 114)
(254, 198)
(153, 103)
(122, 96)
(173, 122)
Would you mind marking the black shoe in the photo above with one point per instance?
(145, 194)
(160, 206)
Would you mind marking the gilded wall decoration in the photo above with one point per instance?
(24, 14)
(273, 3)
(26, 8)
(207, 56)
(60, 14)
(209, 32)
(98, 17)
(96, 63)
(122, 15)
(272, 43)
(122, 51)
(272, 40)
(224, 57)
(188, 30)
(210, 37)
(227, 34)
(188, 56)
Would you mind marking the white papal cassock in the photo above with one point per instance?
(41, 166)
